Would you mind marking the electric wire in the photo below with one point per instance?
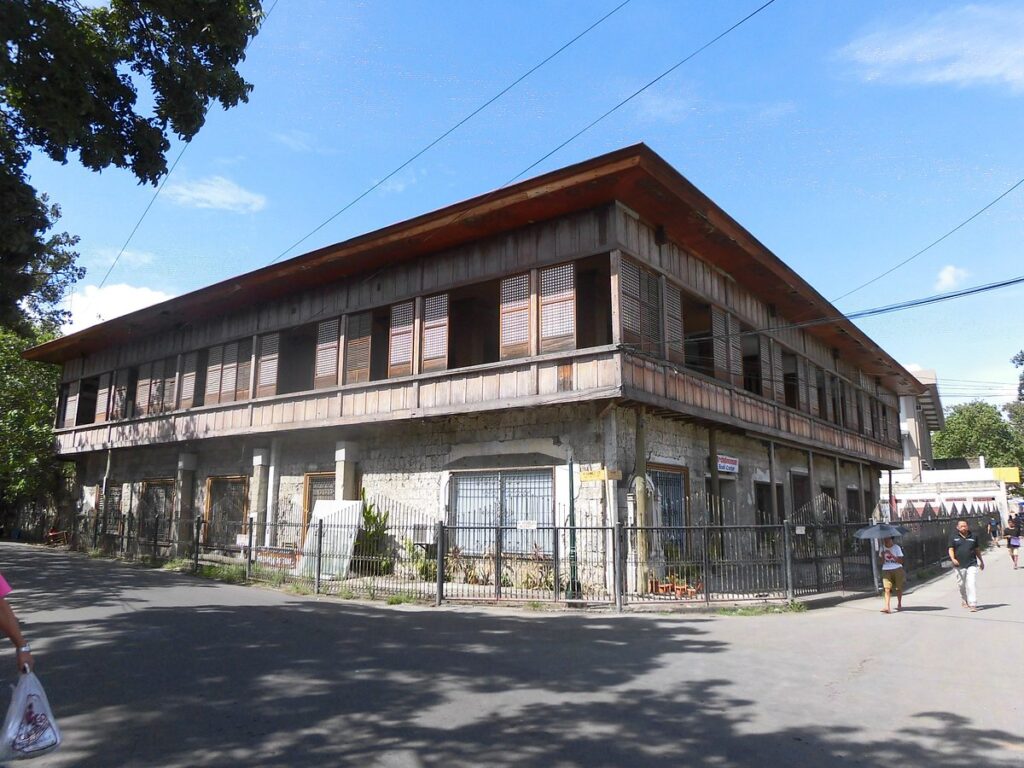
(909, 259)
(167, 175)
(448, 132)
(611, 111)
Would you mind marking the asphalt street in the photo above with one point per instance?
(152, 668)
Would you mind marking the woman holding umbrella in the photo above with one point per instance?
(890, 555)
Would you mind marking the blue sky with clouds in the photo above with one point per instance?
(846, 136)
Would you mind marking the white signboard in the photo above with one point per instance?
(728, 464)
(801, 530)
(526, 525)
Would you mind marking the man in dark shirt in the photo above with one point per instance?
(966, 556)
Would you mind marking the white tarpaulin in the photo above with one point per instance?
(342, 521)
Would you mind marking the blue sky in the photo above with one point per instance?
(846, 136)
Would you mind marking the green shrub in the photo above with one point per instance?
(371, 555)
(400, 598)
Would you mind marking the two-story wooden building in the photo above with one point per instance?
(455, 362)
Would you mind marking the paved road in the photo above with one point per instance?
(146, 668)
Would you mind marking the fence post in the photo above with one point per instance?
(248, 550)
(96, 530)
(439, 537)
(195, 544)
(497, 561)
(156, 531)
(556, 565)
(319, 554)
(787, 546)
(707, 564)
(842, 558)
(617, 564)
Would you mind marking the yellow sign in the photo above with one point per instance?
(1007, 474)
(597, 475)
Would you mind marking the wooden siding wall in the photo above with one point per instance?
(566, 239)
(638, 239)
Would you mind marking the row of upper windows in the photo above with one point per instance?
(563, 307)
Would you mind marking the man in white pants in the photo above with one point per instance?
(966, 556)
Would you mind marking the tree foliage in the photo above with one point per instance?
(69, 83)
(28, 468)
(978, 429)
(1018, 362)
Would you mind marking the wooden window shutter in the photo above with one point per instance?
(229, 373)
(357, 348)
(850, 396)
(558, 308)
(735, 352)
(650, 313)
(188, 379)
(145, 383)
(102, 398)
(629, 302)
(170, 383)
(214, 365)
(674, 324)
(778, 375)
(865, 410)
(400, 332)
(435, 333)
(801, 384)
(71, 404)
(515, 316)
(244, 369)
(812, 389)
(266, 370)
(325, 374)
(764, 357)
(720, 342)
(156, 387)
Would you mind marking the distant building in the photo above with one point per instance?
(930, 487)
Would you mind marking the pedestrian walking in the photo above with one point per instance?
(890, 555)
(12, 630)
(1012, 531)
(993, 530)
(965, 554)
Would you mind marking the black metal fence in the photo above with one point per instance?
(391, 551)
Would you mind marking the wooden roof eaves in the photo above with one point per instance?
(636, 175)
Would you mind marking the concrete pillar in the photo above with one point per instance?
(258, 490)
(771, 482)
(183, 528)
(345, 455)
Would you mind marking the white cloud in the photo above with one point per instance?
(215, 192)
(128, 257)
(92, 305)
(972, 45)
(914, 367)
(950, 277)
(401, 182)
(663, 107)
(297, 141)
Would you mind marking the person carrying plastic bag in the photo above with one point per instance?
(29, 729)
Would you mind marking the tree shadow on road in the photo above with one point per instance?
(324, 683)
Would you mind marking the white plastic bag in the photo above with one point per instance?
(29, 729)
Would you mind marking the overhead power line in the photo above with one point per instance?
(928, 247)
(448, 132)
(167, 175)
(871, 312)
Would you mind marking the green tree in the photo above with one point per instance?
(69, 83)
(978, 429)
(1018, 362)
(28, 469)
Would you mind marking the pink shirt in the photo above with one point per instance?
(5, 588)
